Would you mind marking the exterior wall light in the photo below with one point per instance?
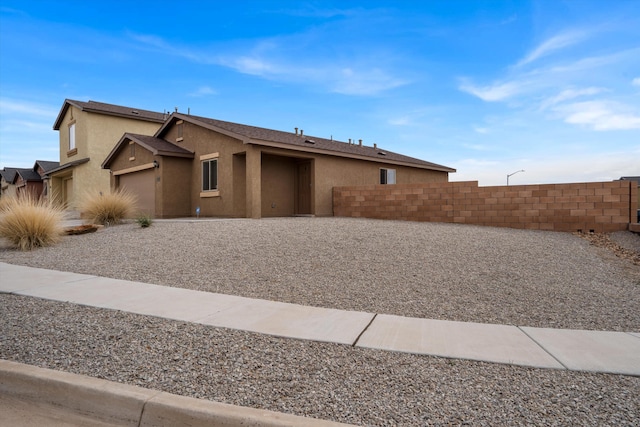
(156, 164)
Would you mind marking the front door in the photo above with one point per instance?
(303, 181)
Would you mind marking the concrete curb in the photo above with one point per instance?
(126, 405)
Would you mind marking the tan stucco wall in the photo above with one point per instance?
(331, 172)
(278, 186)
(173, 198)
(96, 135)
(205, 142)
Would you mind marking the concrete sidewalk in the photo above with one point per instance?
(579, 350)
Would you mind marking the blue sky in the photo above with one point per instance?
(486, 87)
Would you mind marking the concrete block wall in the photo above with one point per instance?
(594, 206)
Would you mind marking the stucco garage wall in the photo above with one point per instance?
(597, 206)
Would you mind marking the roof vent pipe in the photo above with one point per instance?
(360, 142)
(301, 132)
(296, 130)
(349, 141)
(375, 146)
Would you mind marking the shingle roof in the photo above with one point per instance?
(263, 136)
(9, 173)
(27, 175)
(158, 145)
(67, 166)
(46, 165)
(109, 109)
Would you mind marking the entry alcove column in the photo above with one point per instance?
(254, 173)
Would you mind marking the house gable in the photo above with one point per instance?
(87, 134)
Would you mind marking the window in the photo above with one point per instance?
(210, 175)
(72, 136)
(387, 176)
(179, 130)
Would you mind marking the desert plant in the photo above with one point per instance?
(108, 209)
(144, 221)
(5, 202)
(29, 222)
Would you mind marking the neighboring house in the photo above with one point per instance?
(43, 167)
(7, 188)
(216, 168)
(27, 181)
(32, 181)
(88, 131)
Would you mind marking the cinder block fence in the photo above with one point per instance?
(594, 206)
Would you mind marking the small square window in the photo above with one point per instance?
(387, 176)
(210, 175)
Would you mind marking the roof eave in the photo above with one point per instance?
(313, 150)
(66, 166)
(191, 119)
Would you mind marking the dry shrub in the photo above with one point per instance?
(29, 222)
(108, 209)
(5, 202)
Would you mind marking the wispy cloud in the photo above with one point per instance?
(13, 106)
(553, 44)
(579, 87)
(568, 94)
(288, 59)
(493, 92)
(600, 115)
(203, 91)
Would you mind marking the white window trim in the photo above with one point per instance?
(208, 161)
(72, 136)
(390, 176)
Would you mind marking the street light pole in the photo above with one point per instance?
(508, 175)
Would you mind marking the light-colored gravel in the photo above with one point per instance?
(413, 269)
(438, 271)
(327, 381)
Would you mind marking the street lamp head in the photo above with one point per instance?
(508, 175)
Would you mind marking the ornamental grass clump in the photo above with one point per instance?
(29, 222)
(108, 209)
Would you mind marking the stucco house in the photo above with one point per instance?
(87, 133)
(216, 168)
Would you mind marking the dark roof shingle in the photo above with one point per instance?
(46, 165)
(111, 110)
(258, 134)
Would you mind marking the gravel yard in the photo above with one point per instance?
(327, 381)
(437, 271)
(440, 271)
